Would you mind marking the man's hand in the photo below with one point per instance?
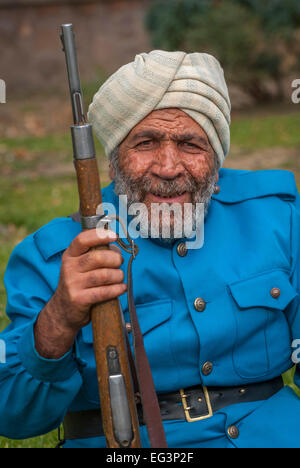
(88, 276)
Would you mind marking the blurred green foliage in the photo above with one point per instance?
(168, 21)
(254, 40)
(275, 14)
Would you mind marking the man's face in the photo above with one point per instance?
(166, 158)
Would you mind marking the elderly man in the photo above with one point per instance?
(218, 321)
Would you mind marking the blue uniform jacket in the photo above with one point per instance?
(251, 246)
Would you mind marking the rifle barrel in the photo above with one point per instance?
(68, 41)
(118, 408)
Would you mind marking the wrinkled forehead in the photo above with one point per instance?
(171, 116)
(167, 122)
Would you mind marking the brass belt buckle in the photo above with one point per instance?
(187, 408)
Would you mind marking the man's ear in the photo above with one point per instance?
(111, 172)
(217, 178)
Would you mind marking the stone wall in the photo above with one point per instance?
(108, 34)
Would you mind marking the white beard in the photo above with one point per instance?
(156, 224)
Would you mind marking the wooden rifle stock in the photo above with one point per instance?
(120, 423)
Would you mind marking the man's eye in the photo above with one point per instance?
(144, 143)
(189, 145)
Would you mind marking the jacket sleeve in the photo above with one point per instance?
(35, 392)
(294, 310)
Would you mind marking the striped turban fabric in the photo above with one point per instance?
(193, 83)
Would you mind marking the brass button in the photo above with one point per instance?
(233, 432)
(128, 327)
(182, 249)
(200, 304)
(275, 293)
(207, 368)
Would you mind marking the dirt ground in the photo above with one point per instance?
(36, 116)
(268, 158)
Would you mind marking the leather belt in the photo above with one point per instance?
(191, 404)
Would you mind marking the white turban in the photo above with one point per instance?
(193, 83)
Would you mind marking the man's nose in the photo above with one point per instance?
(168, 164)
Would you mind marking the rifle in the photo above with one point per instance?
(117, 400)
(115, 366)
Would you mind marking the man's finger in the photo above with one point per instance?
(95, 259)
(103, 293)
(91, 238)
(104, 276)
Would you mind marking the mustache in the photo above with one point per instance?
(136, 188)
(163, 187)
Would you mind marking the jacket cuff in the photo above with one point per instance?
(49, 370)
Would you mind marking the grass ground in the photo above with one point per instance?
(37, 184)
